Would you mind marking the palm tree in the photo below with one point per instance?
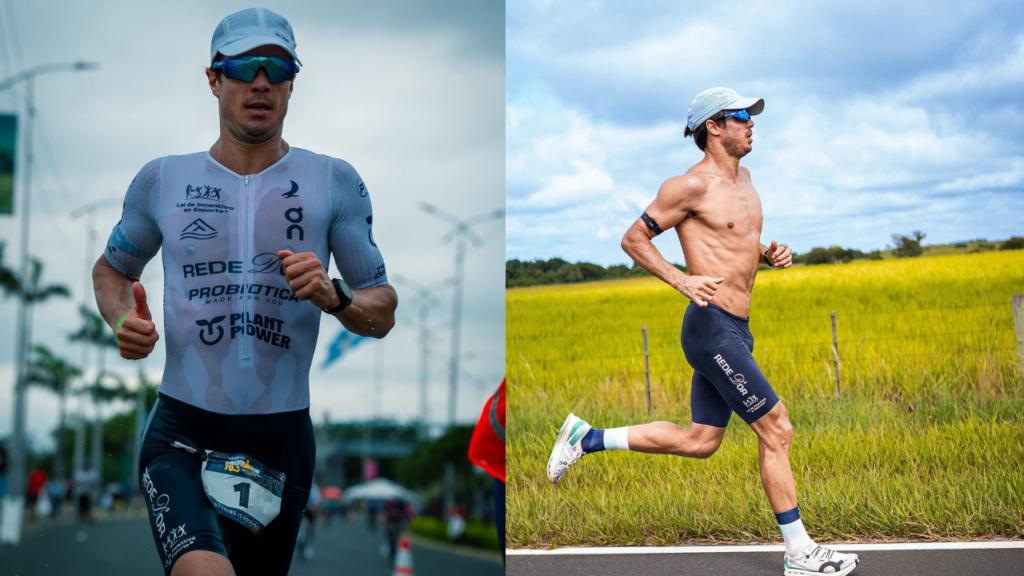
(8, 281)
(31, 291)
(54, 374)
(94, 331)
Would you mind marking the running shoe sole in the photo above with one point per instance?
(790, 571)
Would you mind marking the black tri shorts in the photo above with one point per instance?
(182, 517)
(726, 379)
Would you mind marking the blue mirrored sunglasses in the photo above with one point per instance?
(245, 68)
(741, 115)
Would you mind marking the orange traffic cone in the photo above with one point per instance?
(403, 559)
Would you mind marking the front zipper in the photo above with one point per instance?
(246, 360)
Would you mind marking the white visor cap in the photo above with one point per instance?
(252, 28)
(714, 100)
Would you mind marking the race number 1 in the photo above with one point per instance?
(242, 489)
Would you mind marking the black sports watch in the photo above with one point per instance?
(344, 296)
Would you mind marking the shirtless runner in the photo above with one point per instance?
(717, 215)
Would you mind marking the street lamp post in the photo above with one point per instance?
(13, 502)
(424, 298)
(461, 229)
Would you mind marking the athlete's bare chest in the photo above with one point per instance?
(733, 209)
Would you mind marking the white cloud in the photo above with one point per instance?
(880, 118)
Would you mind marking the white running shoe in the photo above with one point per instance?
(819, 560)
(568, 447)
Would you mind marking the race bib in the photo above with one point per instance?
(242, 489)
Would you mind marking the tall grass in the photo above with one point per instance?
(927, 440)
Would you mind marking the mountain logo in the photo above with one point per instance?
(199, 230)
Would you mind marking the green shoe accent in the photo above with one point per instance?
(574, 437)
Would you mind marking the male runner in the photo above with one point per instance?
(246, 230)
(717, 215)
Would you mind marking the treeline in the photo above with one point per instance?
(557, 271)
(834, 255)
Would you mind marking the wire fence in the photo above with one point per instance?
(667, 361)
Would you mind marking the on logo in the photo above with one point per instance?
(208, 328)
(294, 215)
(369, 222)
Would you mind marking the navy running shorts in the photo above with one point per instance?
(182, 517)
(726, 379)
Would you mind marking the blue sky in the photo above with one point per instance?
(411, 94)
(880, 117)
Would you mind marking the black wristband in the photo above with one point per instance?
(651, 224)
(766, 260)
(344, 296)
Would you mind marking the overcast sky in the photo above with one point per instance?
(880, 117)
(410, 92)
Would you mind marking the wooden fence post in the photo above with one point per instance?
(1018, 322)
(647, 371)
(835, 351)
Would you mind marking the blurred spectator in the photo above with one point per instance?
(394, 523)
(57, 491)
(36, 482)
(86, 481)
(487, 450)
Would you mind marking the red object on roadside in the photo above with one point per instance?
(36, 481)
(487, 448)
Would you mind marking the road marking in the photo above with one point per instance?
(990, 545)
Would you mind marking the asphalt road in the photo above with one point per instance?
(125, 547)
(872, 563)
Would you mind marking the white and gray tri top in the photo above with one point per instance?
(238, 341)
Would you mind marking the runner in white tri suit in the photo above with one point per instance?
(246, 230)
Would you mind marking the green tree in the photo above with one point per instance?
(906, 246)
(8, 281)
(94, 331)
(48, 371)
(1014, 243)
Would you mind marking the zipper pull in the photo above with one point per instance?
(246, 178)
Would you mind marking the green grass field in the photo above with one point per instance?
(927, 441)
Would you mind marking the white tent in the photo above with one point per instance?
(380, 489)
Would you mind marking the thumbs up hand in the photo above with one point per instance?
(138, 334)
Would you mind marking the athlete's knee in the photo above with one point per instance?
(774, 431)
(706, 448)
(705, 440)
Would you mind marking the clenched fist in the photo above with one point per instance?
(779, 255)
(308, 279)
(137, 335)
(701, 289)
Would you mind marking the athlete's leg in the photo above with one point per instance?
(202, 563)
(701, 439)
(774, 437)
(696, 441)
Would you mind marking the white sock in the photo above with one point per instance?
(796, 537)
(616, 438)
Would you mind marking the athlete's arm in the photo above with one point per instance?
(676, 198)
(116, 295)
(371, 312)
(133, 242)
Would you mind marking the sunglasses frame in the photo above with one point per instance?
(239, 67)
(739, 115)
